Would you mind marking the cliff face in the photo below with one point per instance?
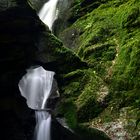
(24, 41)
(105, 34)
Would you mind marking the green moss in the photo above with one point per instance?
(72, 89)
(81, 8)
(83, 87)
(131, 98)
(107, 39)
(57, 54)
(68, 109)
(126, 69)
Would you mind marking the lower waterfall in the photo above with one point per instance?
(43, 126)
(37, 86)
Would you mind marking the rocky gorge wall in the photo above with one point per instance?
(105, 34)
(25, 41)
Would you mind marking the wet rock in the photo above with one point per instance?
(58, 132)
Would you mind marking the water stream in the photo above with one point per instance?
(42, 130)
(36, 87)
(38, 84)
(48, 14)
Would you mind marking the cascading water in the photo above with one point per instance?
(48, 14)
(38, 84)
(42, 130)
(36, 87)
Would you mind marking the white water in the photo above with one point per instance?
(36, 86)
(48, 14)
(42, 130)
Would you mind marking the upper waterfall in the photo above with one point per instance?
(48, 14)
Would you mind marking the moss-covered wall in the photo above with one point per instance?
(106, 35)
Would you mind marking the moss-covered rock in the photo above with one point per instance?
(107, 38)
(87, 92)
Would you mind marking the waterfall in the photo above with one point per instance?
(48, 14)
(36, 86)
(42, 130)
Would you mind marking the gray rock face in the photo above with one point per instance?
(5, 4)
(37, 4)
